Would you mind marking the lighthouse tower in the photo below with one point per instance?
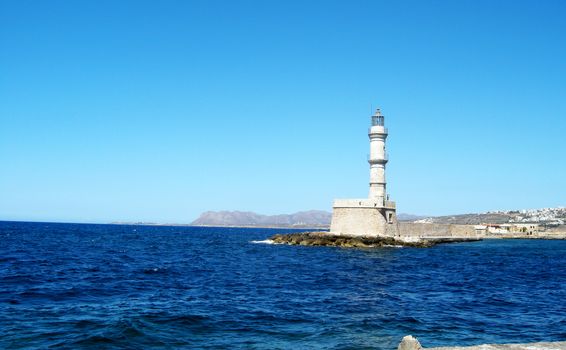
(377, 158)
(375, 215)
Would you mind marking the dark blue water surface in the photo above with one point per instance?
(112, 286)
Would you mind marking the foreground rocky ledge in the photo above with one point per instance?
(411, 343)
(327, 239)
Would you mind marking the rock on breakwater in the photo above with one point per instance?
(328, 239)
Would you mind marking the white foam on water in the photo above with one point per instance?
(265, 241)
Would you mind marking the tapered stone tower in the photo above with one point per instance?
(377, 157)
(374, 216)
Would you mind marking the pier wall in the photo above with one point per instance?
(412, 229)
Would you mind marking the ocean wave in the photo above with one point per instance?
(210, 288)
(265, 241)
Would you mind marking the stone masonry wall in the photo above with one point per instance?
(411, 229)
(358, 222)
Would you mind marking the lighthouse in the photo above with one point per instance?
(377, 157)
(375, 215)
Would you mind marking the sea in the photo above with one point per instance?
(74, 286)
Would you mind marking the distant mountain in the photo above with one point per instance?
(311, 218)
(409, 217)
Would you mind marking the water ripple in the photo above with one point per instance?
(112, 286)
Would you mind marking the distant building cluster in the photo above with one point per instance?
(525, 221)
(546, 216)
(524, 229)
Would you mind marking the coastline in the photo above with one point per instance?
(411, 343)
(549, 237)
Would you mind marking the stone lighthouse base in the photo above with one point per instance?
(364, 217)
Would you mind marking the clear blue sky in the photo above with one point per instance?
(159, 110)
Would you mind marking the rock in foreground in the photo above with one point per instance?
(327, 239)
(411, 343)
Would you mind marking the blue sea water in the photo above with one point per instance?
(133, 287)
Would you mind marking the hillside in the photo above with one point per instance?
(470, 219)
(311, 218)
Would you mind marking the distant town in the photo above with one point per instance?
(549, 216)
(546, 216)
(520, 222)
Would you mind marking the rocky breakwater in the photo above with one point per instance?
(328, 239)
